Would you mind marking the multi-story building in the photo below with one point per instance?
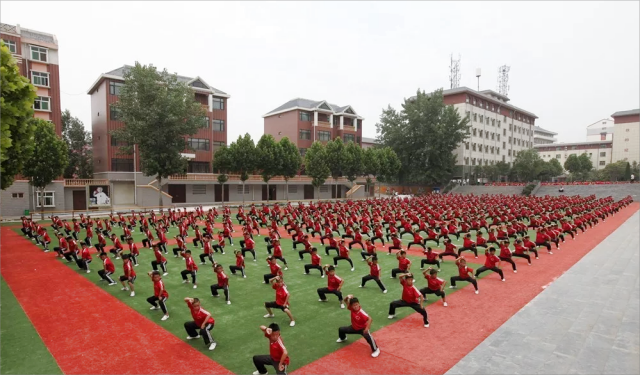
(305, 121)
(599, 151)
(626, 136)
(601, 130)
(368, 142)
(543, 137)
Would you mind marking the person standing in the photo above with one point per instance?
(374, 274)
(129, 275)
(464, 274)
(360, 325)
(282, 300)
(411, 297)
(107, 269)
(160, 294)
(202, 320)
(278, 356)
(334, 286)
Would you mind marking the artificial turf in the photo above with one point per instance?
(22, 350)
(237, 325)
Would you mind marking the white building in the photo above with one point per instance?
(601, 130)
(599, 152)
(626, 136)
(543, 136)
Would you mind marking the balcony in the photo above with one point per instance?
(324, 124)
(84, 182)
(212, 177)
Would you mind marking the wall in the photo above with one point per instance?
(16, 206)
(626, 141)
(99, 138)
(123, 193)
(595, 152)
(284, 123)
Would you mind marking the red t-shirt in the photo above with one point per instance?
(281, 293)
(463, 272)
(359, 319)
(431, 255)
(190, 264)
(275, 269)
(403, 263)
(159, 257)
(491, 260)
(158, 289)
(199, 315)
(277, 251)
(344, 252)
(410, 294)
(375, 269)
(223, 279)
(108, 265)
(276, 350)
(434, 283)
(239, 261)
(333, 282)
(315, 259)
(128, 270)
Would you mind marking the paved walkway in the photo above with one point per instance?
(586, 322)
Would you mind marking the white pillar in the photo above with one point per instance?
(315, 118)
(341, 122)
(331, 120)
(355, 124)
(210, 102)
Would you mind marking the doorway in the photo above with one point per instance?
(178, 192)
(79, 200)
(272, 193)
(217, 192)
(308, 191)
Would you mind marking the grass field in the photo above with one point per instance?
(237, 325)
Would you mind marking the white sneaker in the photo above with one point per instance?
(124, 288)
(550, 253)
(154, 308)
(352, 269)
(193, 338)
(117, 257)
(165, 317)
(322, 300)
(360, 286)
(537, 258)
(292, 324)
(203, 263)
(384, 291)
(185, 281)
(228, 302)
(286, 268)
(88, 271)
(444, 304)
(322, 277)
(133, 294)
(268, 316)
(391, 316)
(342, 306)
(244, 276)
(195, 286)
(503, 279)
(426, 326)
(515, 271)
(376, 353)
(112, 284)
(165, 274)
(256, 373)
(341, 340)
(451, 287)
(477, 291)
(136, 265)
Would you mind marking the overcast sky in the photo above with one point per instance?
(572, 63)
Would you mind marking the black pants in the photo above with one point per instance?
(494, 269)
(302, 252)
(473, 248)
(203, 256)
(269, 247)
(396, 271)
(415, 243)
(155, 264)
(245, 250)
(155, 301)
(454, 279)
(416, 306)
(267, 277)
(509, 260)
(326, 249)
(69, 255)
(394, 248)
(322, 292)
(215, 287)
(99, 247)
(427, 261)
(336, 259)
(233, 269)
(425, 291)
(442, 255)
(83, 264)
(571, 232)
(260, 361)
(218, 248)
(192, 329)
(308, 267)
(196, 240)
(355, 243)
(349, 330)
(146, 242)
(525, 256)
(545, 244)
(296, 243)
(193, 274)
(163, 246)
(377, 280)
(436, 240)
(106, 276)
(87, 240)
(373, 240)
(176, 250)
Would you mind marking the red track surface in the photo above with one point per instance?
(469, 319)
(87, 330)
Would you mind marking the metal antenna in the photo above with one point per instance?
(503, 80)
(454, 72)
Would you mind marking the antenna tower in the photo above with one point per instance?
(454, 74)
(503, 80)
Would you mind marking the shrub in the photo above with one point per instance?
(528, 189)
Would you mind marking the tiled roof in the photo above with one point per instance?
(307, 104)
(626, 113)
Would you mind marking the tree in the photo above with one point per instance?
(16, 127)
(354, 161)
(627, 172)
(316, 165)
(585, 165)
(528, 165)
(336, 160)
(48, 160)
(424, 135)
(159, 112)
(78, 142)
(243, 159)
(269, 158)
(503, 168)
(290, 161)
(372, 164)
(613, 171)
(555, 167)
(572, 164)
(389, 165)
(222, 165)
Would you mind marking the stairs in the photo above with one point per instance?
(353, 190)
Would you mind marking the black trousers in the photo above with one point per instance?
(233, 269)
(427, 261)
(322, 292)
(216, 287)
(396, 271)
(525, 256)
(373, 240)
(308, 267)
(545, 244)
(245, 250)
(260, 361)
(218, 248)
(155, 301)
(267, 277)
(155, 264)
(83, 264)
(193, 274)
(192, 330)
(106, 276)
(355, 243)
(494, 269)
(146, 242)
(416, 306)
(442, 255)
(509, 260)
(473, 248)
(203, 256)
(436, 240)
(349, 330)
(176, 250)
(336, 259)
(69, 255)
(377, 280)
(454, 279)
(426, 290)
(326, 249)
(302, 252)
(394, 248)
(415, 243)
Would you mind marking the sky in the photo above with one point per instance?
(572, 63)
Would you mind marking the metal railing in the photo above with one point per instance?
(214, 177)
(85, 182)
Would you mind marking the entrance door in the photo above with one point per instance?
(178, 192)
(264, 193)
(308, 191)
(217, 192)
(273, 192)
(79, 199)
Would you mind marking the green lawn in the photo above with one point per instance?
(237, 325)
(17, 337)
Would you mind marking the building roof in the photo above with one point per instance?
(573, 144)
(599, 123)
(28, 33)
(196, 83)
(314, 105)
(491, 92)
(539, 129)
(369, 140)
(463, 89)
(626, 113)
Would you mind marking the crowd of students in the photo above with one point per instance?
(439, 217)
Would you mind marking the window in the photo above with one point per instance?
(626, 139)
(603, 146)
(574, 147)
(493, 122)
(481, 118)
(504, 144)
(504, 131)
(466, 145)
(467, 100)
(42, 103)
(627, 130)
(48, 199)
(473, 161)
(11, 45)
(17, 195)
(324, 189)
(293, 189)
(199, 189)
(603, 154)
(468, 114)
(486, 118)
(114, 88)
(498, 137)
(39, 53)
(205, 122)
(218, 125)
(246, 189)
(40, 78)
(475, 117)
(113, 112)
(122, 165)
(303, 151)
(217, 144)
(198, 167)
(492, 136)
(218, 103)
(474, 101)
(198, 144)
(474, 132)
(115, 142)
(349, 137)
(498, 123)
(473, 147)
(305, 116)
(305, 134)
(602, 162)
(510, 127)
(324, 136)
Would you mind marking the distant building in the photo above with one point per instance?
(601, 130)
(599, 152)
(543, 136)
(368, 142)
(305, 121)
(626, 136)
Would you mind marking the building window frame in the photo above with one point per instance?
(198, 144)
(17, 195)
(40, 79)
(36, 53)
(218, 103)
(304, 134)
(306, 116)
(302, 151)
(115, 87)
(199, 189)
(324, 135)
(218, 125)
(49, 199)
(198, 167)
(39, 104)
(349, 137)
(121, 165)
(114, 112)
(11, 45)
(205, 122)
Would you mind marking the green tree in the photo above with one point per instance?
(390, 165)
(627, 172)
(372, 164)
(585, 165)
(336, 160)
(503, 168)
(244, 159)
(159, 112)
(48, 160)
(614, 171)
(572, 164)
(424, 135)
(290, 162)
(528, 165)
(491, 172)
(354, 161)
(269, 158)
(222, 164)
(16, 111)
(316, 165)
(78, 142)
(555, 167)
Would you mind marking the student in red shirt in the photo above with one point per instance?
(274, 268)
(223, 282)
(72, 251)
(334, 285)
(411, 297)
(543, 240)
(160, 294)
(374, 274)
(396, 243)
(343, 254)
(404, 264)
(239, 264)
(191, 269)
(129, 274)
(369, 250)
(417, 240)
(248, 245)
(208, 250)
(464, 274)
(435, 285)
(89, 236)
(333, 245)
(277, 253)
(315, 263)
(148, 240)
(505, 255)
(523, 252)
(357, 239)
(107, 269)
(85, 258)
(62, 245)
(360, 325)
(220, 246)
(160, 260)
(431, 258)
(45, 240)
(202, 320)
(133, 251)
(282, 300)
(468, 245)
(117, 246)
(307, 247)
(491, 263)
(278, 356)
(449, 250)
